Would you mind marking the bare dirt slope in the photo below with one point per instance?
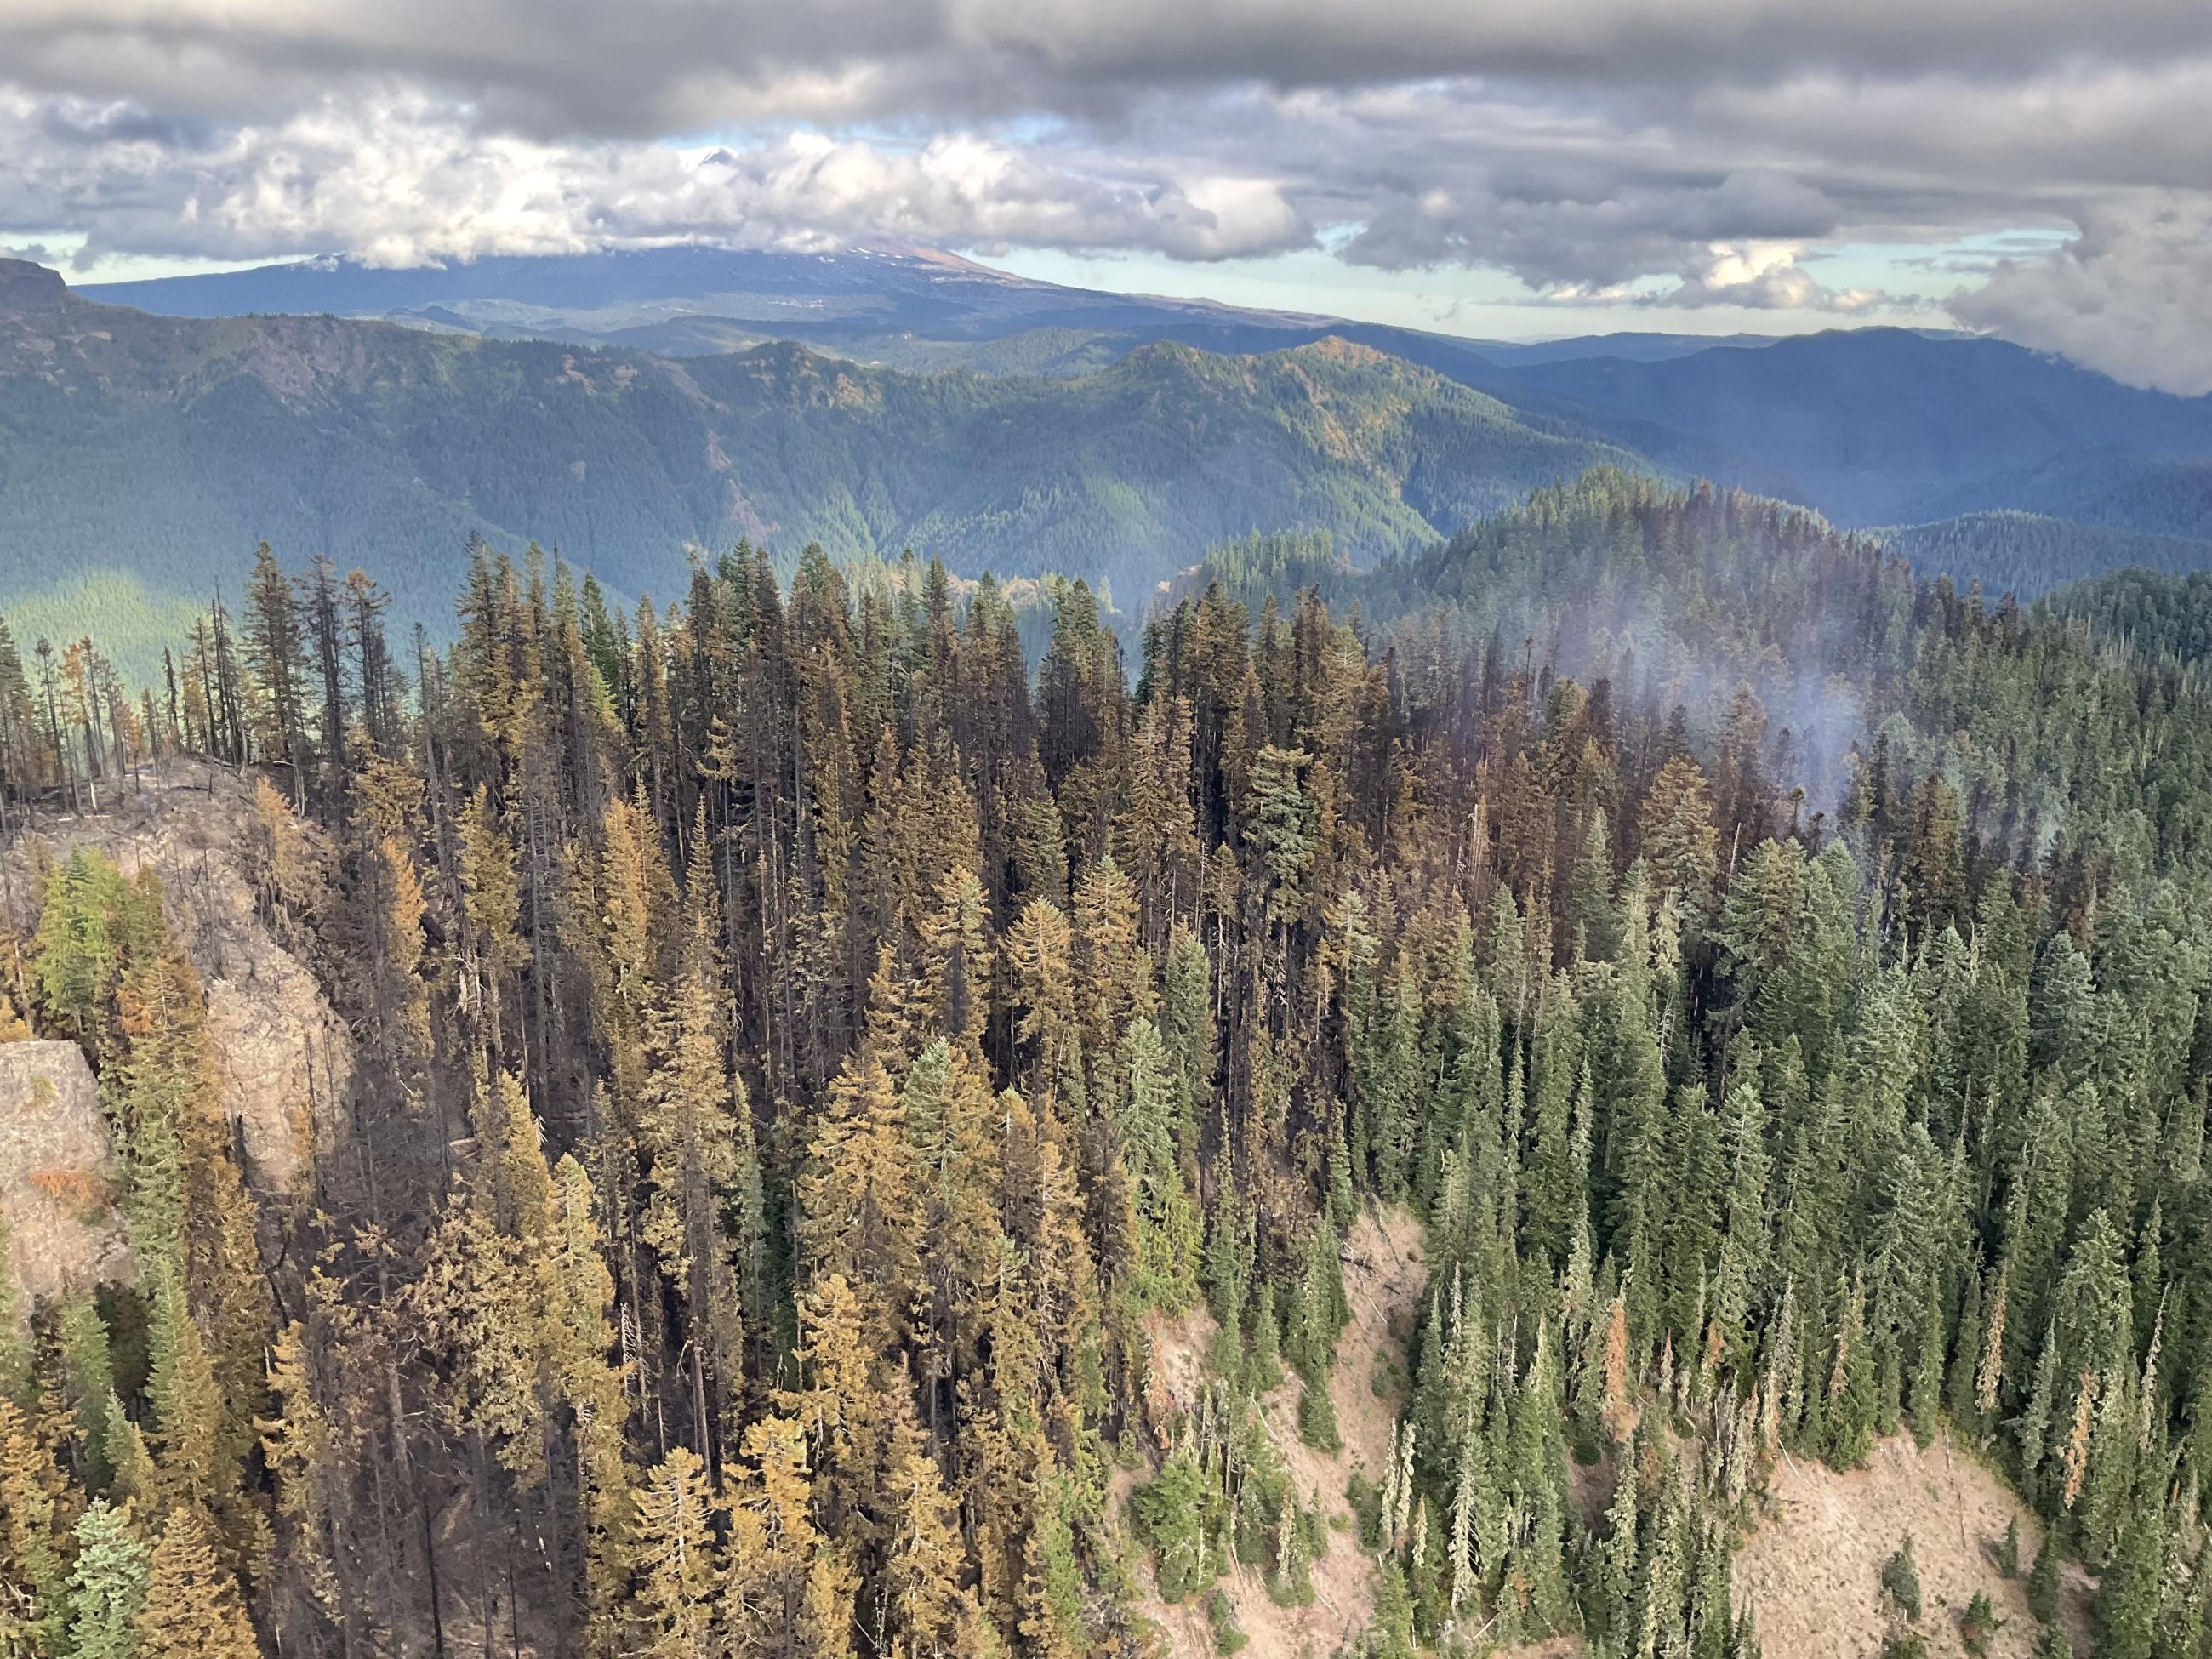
(1383, 1276)
(1812, 1572)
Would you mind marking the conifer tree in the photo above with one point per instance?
(678, 1558)
(109, 1584)
(33, 1572)
(276, 664)
(696, 1128)
(191, 1605)
(860, 1216)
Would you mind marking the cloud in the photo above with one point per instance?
(407, 181)
(1765, 276)
(1750, 276)
(578, 64)
(1606, 226)
(1610, 150)
(2131, 297)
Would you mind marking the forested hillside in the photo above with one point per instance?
(2106, 487)
(164, 446)
(845, 1147)
(2145, 611)
(159, 450)
(2029, 553)
(1887, 426)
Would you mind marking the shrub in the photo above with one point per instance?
(1979, 1623)
(1228, 1636)
(2008, 1551)
(1900, 1577)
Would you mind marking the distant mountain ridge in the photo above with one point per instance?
(592, 403)
(854, 293)
(1871, 427)
(1879, 426)
(390, 447)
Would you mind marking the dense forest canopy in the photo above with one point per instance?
(2147, 613)
(806, 1059)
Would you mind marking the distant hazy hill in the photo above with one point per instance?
(900, 308)
(1871, 427)
(857, 294)
(998, 421)
(1887, 426)
(2105, 485)
(169, 445)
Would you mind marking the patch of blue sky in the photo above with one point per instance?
(1927, 272)
(1476, 303)
(64, 250)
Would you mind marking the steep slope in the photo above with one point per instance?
(170, 445)
(1711, 1181)
(1384, 1276)
(283, 1057)
(1811, 1570)
(59, 1234)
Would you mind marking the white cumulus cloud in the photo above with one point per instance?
(408, 180)
(1765, 276)
(2131, 296)
(1624, 152)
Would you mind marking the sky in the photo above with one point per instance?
(2039, 169)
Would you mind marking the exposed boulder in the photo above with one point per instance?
(283, 1054)
(59, 1175)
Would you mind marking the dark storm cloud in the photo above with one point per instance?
(626, 70)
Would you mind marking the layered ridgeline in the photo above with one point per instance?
(163, 447)
(145, 455)
(2032, 553)
(1887, 427)
(852, 1149)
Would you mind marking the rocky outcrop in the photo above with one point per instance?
(60, 1177)
(282, 1054)
(26, 286)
